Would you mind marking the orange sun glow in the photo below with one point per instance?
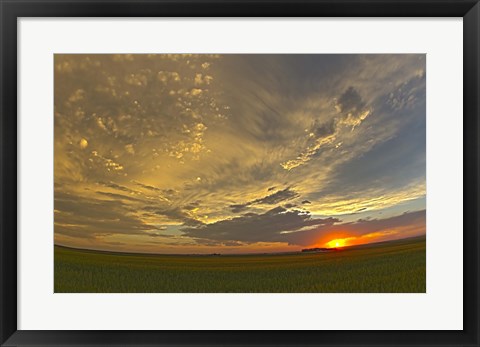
(336, 243)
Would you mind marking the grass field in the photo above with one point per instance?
(390, 267)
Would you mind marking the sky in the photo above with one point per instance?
(238, 153)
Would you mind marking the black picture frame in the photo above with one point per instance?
(12, 10)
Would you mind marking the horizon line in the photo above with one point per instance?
(230, 254)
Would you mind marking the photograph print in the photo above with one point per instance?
(239, 173)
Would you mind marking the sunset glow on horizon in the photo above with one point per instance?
(208, 153)
(337, 243)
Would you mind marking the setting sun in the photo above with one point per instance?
(336, 243)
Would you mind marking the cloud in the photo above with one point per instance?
(351, 112)
(407, 224)
(352, 107)
(148, 187)
(173, 213)
(116, 187)
(130, 149)
(275, 198)
(252, 227)
(299, 228)
(350, 102)
(89, 218)
(119, 196)
(271, 199)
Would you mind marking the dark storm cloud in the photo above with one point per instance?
(298, 228)
(271, 199)
(275, 198)
(238, 208)
(252, 227)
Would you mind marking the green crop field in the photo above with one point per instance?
(390, 267)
